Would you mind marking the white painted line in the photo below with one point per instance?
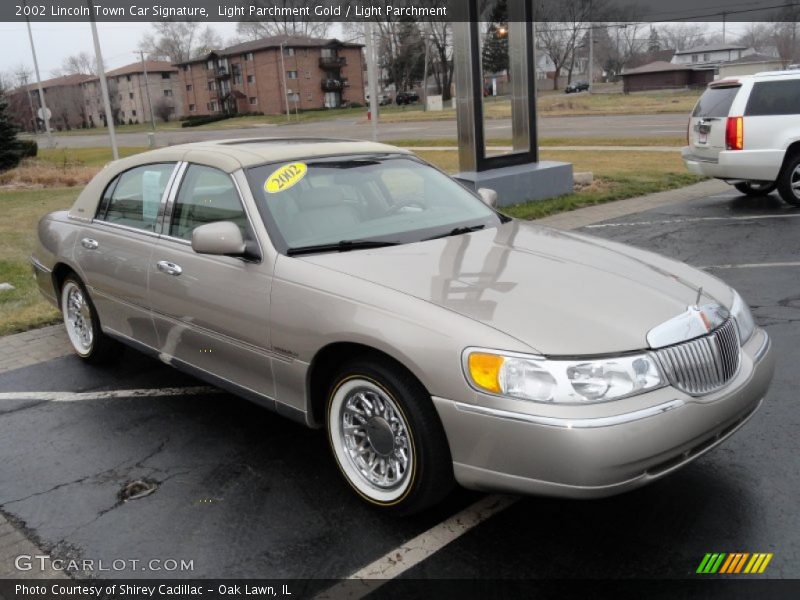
(411, 553)
(103, 395)
(694, 220)
(755, 265)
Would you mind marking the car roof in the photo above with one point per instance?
(226, 155)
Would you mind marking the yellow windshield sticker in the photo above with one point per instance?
(285, 177)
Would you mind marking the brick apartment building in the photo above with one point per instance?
(249, 77)
(63, 97)
(127, 91)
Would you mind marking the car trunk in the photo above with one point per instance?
(707, 128)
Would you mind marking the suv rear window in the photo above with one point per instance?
(774, 98)
(716, 102)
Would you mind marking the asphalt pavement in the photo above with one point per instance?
(242, 492)
(630, 126)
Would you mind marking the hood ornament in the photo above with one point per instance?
(695, 322)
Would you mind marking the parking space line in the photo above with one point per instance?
(755, 265)
(691, 220)
(103, 395)
(411, 553)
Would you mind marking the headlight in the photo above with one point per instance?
(561, 381)
(743, 317)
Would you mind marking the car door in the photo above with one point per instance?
(113, 251)
(212, 312)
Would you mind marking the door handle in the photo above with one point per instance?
(169, 268)
(89, 244)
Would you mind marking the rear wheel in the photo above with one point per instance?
(83, 325)
(789, 181)
(386, 437)
(756, 188)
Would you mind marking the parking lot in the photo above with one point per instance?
(244, 493)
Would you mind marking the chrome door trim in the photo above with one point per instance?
(172, 193)
(581, 423)
(125, 228)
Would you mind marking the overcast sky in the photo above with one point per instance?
(118, 41)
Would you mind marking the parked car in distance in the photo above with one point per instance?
(577, 86)
(403, 98)
(746, 131)
(383, 100)
(353, 287)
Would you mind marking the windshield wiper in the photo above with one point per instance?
(343, 246)
(456, 231)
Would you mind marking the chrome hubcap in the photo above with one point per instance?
(78, 318)
(374, 436)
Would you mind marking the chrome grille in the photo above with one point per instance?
(705, 364)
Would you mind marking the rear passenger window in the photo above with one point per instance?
(715, 102)
(774, 98)
(207, 195)
(134, 197)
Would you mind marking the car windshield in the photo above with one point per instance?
(346, 203)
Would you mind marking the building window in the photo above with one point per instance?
(133, 112)
(208, 105)
(127, 77)
(706, 57)
(291, 74)
(288, 51)
(308, 74)
(212, 85)
(253, 100)
(165, 76)
(695, 58)
(189, 87)
(210, 65)
(214, 105)
(310, 96)
(191, 108)
(130, 95)
(167, 93)
(251, 79)
(187, 68)
(248, 56)
(326, 52)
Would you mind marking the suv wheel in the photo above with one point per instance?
(756, 188)
(387, 438)
(789, 182)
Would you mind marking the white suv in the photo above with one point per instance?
(746, 131)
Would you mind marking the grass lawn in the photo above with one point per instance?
(561, 105)
(24, 308)
(618, 175)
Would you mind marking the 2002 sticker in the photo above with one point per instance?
(285, 177)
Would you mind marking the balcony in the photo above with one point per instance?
(333, 85)
(332, 62)
(218, 73)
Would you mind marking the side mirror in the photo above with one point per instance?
(488, 196)
(221, 238)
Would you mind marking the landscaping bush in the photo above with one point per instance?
(27, 148)
(195, 121)
(9, 144)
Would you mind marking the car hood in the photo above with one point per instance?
(560, 293)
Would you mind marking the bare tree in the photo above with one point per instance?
(277, 25)
(82, 63)
(179, 41)
(785, 34)
(681, 36)
(163, 109)
(760, 36)
(559, 27)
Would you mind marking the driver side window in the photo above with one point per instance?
(206, 195)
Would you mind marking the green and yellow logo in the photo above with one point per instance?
(734, 562)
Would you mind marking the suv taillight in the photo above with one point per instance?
(734, 133)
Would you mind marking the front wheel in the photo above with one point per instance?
(755, 188)
(387, 438)
(789, 181)
(83, 325)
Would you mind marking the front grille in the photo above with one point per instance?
(705, 364)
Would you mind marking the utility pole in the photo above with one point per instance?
(591, 57)
(724, 25)
(24, 79)
(147, 91)
(101, 73)
(285, 89)
(42, 104)
(372, 75)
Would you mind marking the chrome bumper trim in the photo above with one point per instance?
(762, 351)
(572, 423)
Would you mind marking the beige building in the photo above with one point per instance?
(128, 89)
(750, 65)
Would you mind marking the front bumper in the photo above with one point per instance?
(738, 165)
(513, 447)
